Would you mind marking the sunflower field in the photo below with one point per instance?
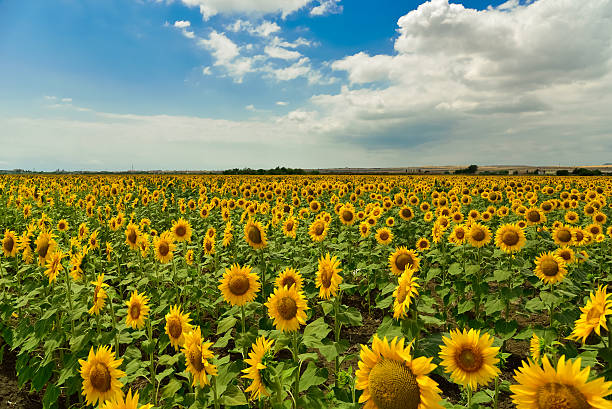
(377, 292)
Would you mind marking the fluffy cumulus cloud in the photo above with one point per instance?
(209, 8)
(326, 7)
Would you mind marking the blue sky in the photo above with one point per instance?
(212, 84)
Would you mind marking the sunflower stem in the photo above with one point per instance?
(110, 299)
(469, 397)
(69, 296)
(152, 363)
(214, 388)
(263, 280)
(296, 357)
(337, 336)
(244, 348)
(496, 399)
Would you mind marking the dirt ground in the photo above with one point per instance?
(11, 397)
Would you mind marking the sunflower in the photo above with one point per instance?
(391, 378)
(239, 285)
(54, 265)
(177, 325)
(328, 280)
(594, 315)
(422, 244)
(469, 358)
(99, 298)
(318, 230)
(403, 260)
(255, 235)
(137, 312)
(45, 246)
(571, 217)
(62, 225)
(181, 230)
(9, 244)
(407, 288)
(550, 268)
(383, 236)
(594, 229)
(566, 253)
(101, 376)
(290, 226)
(130, 402)
(287, 307)
(579, 236)
(562, 235)
(76, 272)
(260, 357)
(208, 246)
(290, 277)
(545, 387)
(227, 234)
(93, 241)
(164, 247)
(535, 347)
(478, 235)
(132, 236)
(458, 235)
(197, 356)
(510, 238)
(83, 231)
(406, 213)
(364, 230)
(347, 215)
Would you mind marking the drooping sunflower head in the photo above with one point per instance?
(391, 378)
(469, 358)
(406, 289)
(9, 244)
(403, 260)
(550, 268)
(239, 285)
(510, 238)
(181, 229)
(101, 376)
(594, 315)
(260, 357)
(479, 235)
(383, 236)
(328, 280)
(137, 310)
(289, 277)
(255, 235)
(566, 386)
(45, 246)
(177, 325)
(287, 307)
(198, 357)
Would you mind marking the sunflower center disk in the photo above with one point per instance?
(478, 235)
(550, 268)
(402, 261)
(135, 311)
(384, 236)
(174, 327)
(393, 386)
(319, 229)
(132, 237)
(195, 358)
(559, 396)
(326, 277)
(288, 282)
(347, 216)
(287, 308)
(239, 285)
(8, 244)
(100, 378)
(564, 236)
(469, 360)
(181, 231)
(533, 216)
(42, 252)
(510, 238)
(254, 235)
(406, 213)
(164, 249)
(401, 296)
(594, 314)
(459, 234)
(289, 226)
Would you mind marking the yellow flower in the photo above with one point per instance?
(54, 265)
(290, 277)
(99, 299)
(164, 247)
(469, 358)
(45, 246)
(255, 235)
(391, 378)
(594, 315)
(260, 356)
(9, 244)
(328, 280)
(510, 238)
(550, 268)
(181, 230)
(227, 234)
(198, 357)
(422, 244)
(101, 376)
(290, 226)
(479, 235)
(239, 285)
(563, 387)
(318, 230)
(130, 402)
(132, 235)
(383, 236)
(177, 325)
(403, 260)
(406, 289)
(208, 246)
(137, 311)
(562, 235)
(287, 308)
(535, 347)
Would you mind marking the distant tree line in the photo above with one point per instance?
(276, 171)
(579, 172)
(470, 170)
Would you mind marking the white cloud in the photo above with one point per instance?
(326, 7)
(282, 103)
(264, 29)
(66, 100)
(182, 24)
(250, 107)
(281, 53)
(209, 8)
(299, 69)
(206, 71)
